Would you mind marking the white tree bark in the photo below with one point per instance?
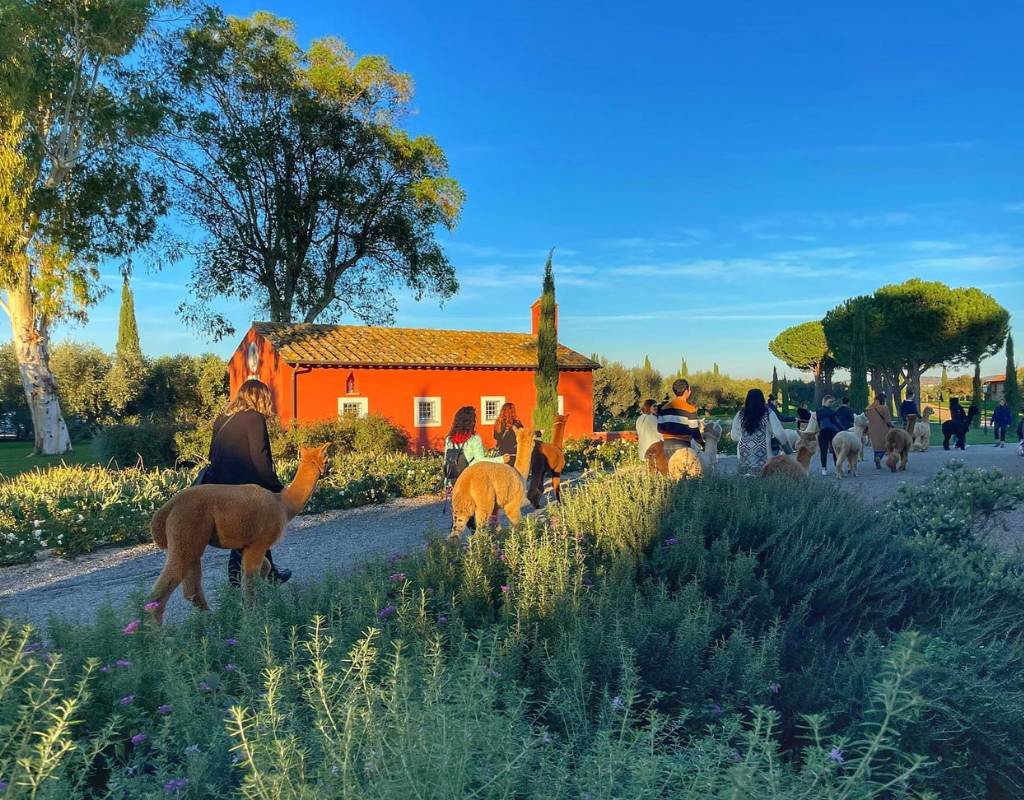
(32, 352)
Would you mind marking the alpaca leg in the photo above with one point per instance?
(556, 485)
(252, 561)
(192, 585)
(512, 511)
(165, 586)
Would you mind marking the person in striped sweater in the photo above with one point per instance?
(677, 420)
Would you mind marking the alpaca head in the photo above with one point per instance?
(315, 457)
(891, 460)
(712, 430)
(808, 442)
(812, 423)
(927, 413)
(860, 423)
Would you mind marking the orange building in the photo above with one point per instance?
(415, 377)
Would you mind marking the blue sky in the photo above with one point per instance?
(708, 173)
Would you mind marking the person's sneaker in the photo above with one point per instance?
(824, 471)
(280, 575)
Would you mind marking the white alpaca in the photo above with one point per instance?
(794, 436)
(849, 445)
(922, 434)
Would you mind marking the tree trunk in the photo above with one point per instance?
(32, 352)
(819, 385)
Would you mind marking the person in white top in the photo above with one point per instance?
(647, 427)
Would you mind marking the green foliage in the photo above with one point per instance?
(1011, 389)
(81, 371)
(775, 384)
(804, 347)
(596, 454)
(150, 443)
(127, 377)
(185, 389)
(546, 376)
(349, 203)
(785, 396)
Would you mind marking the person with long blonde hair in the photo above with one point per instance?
(240, 454)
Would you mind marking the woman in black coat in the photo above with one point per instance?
(505, 427)
(240, 454)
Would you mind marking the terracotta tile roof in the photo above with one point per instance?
(356, 345)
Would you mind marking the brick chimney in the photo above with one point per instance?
(535, 318)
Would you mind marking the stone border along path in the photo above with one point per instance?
(339, 541)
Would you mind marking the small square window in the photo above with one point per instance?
(353, 406)
(427, 412)
(490, 408)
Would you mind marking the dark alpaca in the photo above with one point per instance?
(958, 428)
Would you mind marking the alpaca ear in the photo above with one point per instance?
(323, 450)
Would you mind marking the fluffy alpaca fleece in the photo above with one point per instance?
(897, 448)
(922, 433)
(553, 454)
(692, 462)
(248, 517)
(797, 469)
(487, 486)
(849, 445)
(812, 427)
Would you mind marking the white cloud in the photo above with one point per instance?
(1013, 208)
(933, 246)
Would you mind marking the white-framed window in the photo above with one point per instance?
(561, 404)
(426, 412)
(490, 407)
(353, 406)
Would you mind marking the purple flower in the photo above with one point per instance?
(493, 673)
(192, 750)
(175, 784)
(131, 627)
(504, 590)
(442, 620)
(395, 557)
(774, 687)
(231, 641)
(836, 755)
(31, 648)
(152, 605)
(166, 708)
(230, 667)
(124, 663)
(205, 686)
(3, 785)
(105, 668)
(717, 710)
(398, 577)
(127, 700)
(617, 703)
(138, 738)
(386, 613)
(671, 542)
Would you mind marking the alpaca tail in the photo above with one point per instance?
(158, 526)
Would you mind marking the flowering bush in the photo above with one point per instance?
(585, 453)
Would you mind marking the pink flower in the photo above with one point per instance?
(504, 590)
(152, 605)
(138, 738)
(131, 627)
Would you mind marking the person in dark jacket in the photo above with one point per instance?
(908, 407)
(240, 454)
(828, 427)
(803, 416)
(1020, 428)
(505, 440)
(844, 415)
(1002, 418)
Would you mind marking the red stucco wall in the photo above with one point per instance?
(391, 392)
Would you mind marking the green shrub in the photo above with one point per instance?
(586, 453)
(376, 435)
(150, 443)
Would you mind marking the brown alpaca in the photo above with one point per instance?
(487, 486)
(248, 517)
(806, 447)
(897, 448)
(553, 454)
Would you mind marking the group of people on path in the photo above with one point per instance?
(674, 422)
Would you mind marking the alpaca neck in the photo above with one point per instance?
(297, 493)
(803, 458)
(711, 448)
(522, 462)
(558, 433)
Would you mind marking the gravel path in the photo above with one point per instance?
(339, 541)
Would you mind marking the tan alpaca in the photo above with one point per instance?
(797, 469)
(554, 455)
(794, 436)
(921, 434)
(246, 517)
(849, 445)
(692, 462)
(487, 486)
(897, 448)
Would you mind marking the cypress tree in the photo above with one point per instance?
(775, 383)
(546, 376)
(127, 375)
(976, 399)
(944, 384)
(714, 370)
(785, 396)
(1011, 391)
(858, 366)
(683, 369)
(647, 364)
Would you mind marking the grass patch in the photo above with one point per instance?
(16, 457)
